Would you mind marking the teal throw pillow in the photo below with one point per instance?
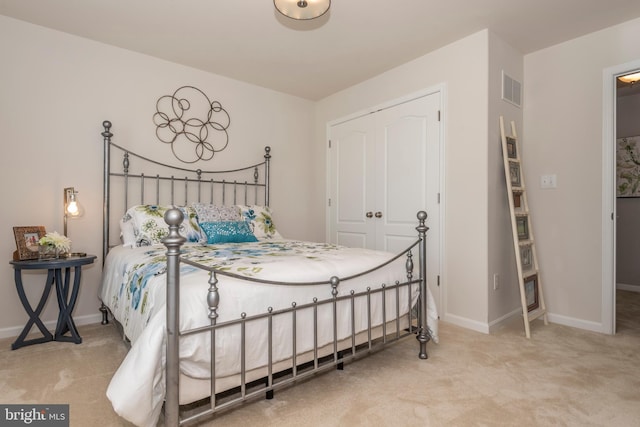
(228, 232)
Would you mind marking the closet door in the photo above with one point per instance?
(406, 176)
(384, 167)
(352, 158)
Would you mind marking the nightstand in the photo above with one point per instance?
(66, 302)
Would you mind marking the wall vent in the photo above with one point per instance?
(511, 90)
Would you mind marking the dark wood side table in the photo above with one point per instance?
(66, 302)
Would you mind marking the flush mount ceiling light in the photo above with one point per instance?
(302, 9)
(630, 78)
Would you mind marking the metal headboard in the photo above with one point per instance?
(146, 181)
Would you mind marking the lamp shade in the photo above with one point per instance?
(302, 9)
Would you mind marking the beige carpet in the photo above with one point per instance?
(561, 377)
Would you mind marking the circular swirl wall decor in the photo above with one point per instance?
(195, 126)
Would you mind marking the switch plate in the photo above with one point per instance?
(548, 181)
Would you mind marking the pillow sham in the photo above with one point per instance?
(127, 231)
(149, 227)
(213, 213)
(261, 221)
(228, 232)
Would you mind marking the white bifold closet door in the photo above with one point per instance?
(383, 169)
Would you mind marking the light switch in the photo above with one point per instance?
(548, 181)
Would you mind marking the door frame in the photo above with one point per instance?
(609, 192)
(440, 88)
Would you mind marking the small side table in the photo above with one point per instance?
(66, 302)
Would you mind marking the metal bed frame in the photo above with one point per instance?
(225, 191)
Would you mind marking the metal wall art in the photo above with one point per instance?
(195, 126)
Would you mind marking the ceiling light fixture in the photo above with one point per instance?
(630, 78)
(302, 9)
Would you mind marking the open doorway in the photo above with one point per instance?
(610, 190)
(627, 269)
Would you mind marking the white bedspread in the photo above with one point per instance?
(134, 289)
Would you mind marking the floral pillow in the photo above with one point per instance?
(260, 220)
(228, 232)
(149, 227)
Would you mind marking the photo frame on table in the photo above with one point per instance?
(514, 173)
(27, 241)
(531, 292)
(512, 150)
(522, 227)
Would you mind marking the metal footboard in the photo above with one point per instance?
(300, 366)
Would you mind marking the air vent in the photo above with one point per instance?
(511, 90)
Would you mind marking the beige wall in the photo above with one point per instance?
(505, 300)
(462, 69)
(56, 89)
(477, 241)
(563, 134)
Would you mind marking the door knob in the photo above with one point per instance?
(369, 214)
(378, 214)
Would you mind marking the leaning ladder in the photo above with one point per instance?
(529, 281)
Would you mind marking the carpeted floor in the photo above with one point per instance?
(560, 377)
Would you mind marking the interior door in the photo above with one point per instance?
(407, 170)
(384, 168)
(352, 157)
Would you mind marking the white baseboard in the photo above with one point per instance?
(14, 331)
(577, 323)
(625, 287)
(466, 323)
(496, 324)
(553, 318)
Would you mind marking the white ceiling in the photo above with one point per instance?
(358, 39)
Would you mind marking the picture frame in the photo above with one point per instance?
(522, 227)
(531, 292)
(514, 174)
(27, 241)
(628, 167)
(526, 257)
(517, 199)
(512, 148)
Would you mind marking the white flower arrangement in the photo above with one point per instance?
(58, 241)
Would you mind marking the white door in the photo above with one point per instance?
(352, 174)
(384, 168)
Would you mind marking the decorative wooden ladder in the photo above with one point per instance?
(531, 295)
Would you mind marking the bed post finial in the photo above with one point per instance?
(173, 242)
(423, 330)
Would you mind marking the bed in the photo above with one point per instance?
(194, 257)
